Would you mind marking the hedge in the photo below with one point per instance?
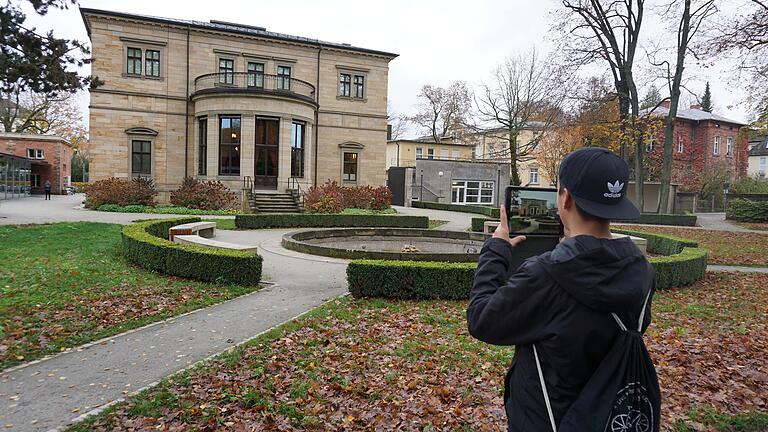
(478, 223)
(145, 244)
(664, 219)
(684, 262)
(492, 212)
(747, 211)
(317, 220)
(410, 279)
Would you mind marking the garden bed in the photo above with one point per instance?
(402, 365)
(54, 296)
(171, 210)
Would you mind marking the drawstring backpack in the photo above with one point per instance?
(621, 396)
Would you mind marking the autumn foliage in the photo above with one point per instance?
(330, 197)
(204, 195)
(122, 192)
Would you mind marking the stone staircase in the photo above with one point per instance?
(273, 202)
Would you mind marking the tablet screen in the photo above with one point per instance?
(532, 211)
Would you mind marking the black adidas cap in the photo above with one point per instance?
(597, 178)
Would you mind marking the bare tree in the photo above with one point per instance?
(398, 123)
(525, 93)
(609, 31)
(745, 38)
(37, 113)
(688, 24)
(443, 110)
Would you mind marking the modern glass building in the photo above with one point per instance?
(15, 173)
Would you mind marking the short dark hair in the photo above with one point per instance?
(584, 214)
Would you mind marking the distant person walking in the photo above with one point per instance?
(47, 189)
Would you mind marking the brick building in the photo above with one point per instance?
(27, 161)
(233, 102)
(702, 142)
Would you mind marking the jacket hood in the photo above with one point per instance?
(603, 274)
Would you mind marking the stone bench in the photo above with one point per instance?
(202, 229)
(211, 243)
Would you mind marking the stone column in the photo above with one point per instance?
(212, 170)
(284, 151)
(247, 144)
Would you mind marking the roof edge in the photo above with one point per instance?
(171, 21)
(34, 137)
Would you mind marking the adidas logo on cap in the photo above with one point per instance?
(614, 190)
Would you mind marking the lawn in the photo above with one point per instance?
(65, 284)
(727, 248)
(396, 365)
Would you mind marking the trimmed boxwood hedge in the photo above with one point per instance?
(478, 223)
(665, 219)
(747, 211)
(683, 263)
(145, 244)
(319, 220)
(492, 212)
(410, 279)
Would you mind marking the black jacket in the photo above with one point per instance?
(561, 301)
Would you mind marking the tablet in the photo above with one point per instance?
(532, 212)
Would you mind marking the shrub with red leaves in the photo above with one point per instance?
(204, 195)
(123, 192)
(332, 198)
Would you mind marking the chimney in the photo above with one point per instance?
(696, 106)
(666, 104)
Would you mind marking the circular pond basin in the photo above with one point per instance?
(388, 243)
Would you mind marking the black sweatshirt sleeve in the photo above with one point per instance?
(506, 310)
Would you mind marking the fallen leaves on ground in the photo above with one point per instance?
(725, 247)
(65, 284)
(392, 365)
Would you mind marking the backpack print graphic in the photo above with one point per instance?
(632, 411)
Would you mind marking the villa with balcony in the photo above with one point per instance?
(233, 102)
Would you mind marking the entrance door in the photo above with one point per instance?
(267, 152)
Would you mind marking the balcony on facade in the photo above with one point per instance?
(248, 83)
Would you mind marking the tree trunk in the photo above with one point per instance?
(514, 176)
(669, 122)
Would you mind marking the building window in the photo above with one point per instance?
(444, 153)
(716, 147)
(419, 153)
(533, 176)
(455, 155)
(430, 153)
(35, 153)
(229, 145)
(152, 63)
(472, 192)
(141, 158)
(226, 71)
(283, 78)
(761, 166)
(349, 170)
(680, 144)
(202, 146)
(133, 61)
(344, 84)
(297, 149)
(35, 180)
(649, 146)
(359, 86)
(256, 75)
(729, 146)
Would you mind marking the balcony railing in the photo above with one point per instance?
(254, 82)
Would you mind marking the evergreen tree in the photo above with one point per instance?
(706, 100)
(652, 98)
(38, 62)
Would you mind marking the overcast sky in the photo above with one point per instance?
(439, 41)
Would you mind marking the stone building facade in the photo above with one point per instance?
(232, 102)
(37, 159)
(492, 145)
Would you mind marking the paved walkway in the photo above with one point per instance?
(717, 222)
(50, 393)
(742, 269)
(456, 221)
(64, 208)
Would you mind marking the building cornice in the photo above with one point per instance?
(33, 137)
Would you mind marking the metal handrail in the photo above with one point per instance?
(256, 82)
(295, 181)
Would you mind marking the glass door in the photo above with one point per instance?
(267, 153)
